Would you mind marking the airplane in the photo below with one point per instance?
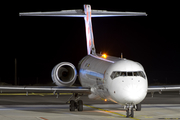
(115, 79)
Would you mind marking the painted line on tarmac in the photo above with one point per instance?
(41, 94)
(41, 118)
(110, 112)
(170, 118)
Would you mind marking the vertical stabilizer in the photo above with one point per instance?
(89, 31)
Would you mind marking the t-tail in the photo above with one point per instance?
(87, 14)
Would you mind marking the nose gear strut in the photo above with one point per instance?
(129, 110)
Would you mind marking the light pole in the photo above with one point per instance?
(15, 76)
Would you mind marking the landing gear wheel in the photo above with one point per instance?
(72, 105)
(132, 113)
(80, 105)
(129, 115)
(138, 107)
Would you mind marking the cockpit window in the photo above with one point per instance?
(116, 74)
(129, 73)
(136, 74)
(141, 74)
(123, 73)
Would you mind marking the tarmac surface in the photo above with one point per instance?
(48, 107)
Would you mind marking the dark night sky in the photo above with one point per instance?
(39, 43)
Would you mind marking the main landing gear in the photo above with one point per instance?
(138, 107)
(76, 104)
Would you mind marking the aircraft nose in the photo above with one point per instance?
(128, 91)
(132, 93)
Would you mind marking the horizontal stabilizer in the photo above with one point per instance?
(80, 13)
(104, 13)
(87, 14)
(63, 13)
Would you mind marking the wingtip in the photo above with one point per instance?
(20, 14)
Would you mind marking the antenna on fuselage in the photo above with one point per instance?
(121, 55)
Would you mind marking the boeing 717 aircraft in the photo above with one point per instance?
(119, 80)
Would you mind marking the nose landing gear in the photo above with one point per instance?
(129, 111)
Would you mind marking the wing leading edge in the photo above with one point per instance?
(45, 89)
(164, 88)
(78, 89)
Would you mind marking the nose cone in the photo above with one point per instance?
(128, 91)
(133, 93)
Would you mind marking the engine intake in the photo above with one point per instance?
(64, 74)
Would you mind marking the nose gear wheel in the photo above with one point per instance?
(129, 111)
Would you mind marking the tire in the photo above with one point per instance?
(72, 105)
(80, 105)
(138, 107)
(127, 113)
(132, 113)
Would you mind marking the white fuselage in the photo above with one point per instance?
(117, 79)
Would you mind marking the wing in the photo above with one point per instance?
(45, 89)
(164, 88)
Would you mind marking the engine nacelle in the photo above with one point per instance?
(64, 74)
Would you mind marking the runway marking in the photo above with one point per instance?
(110, 112)
(170, 118)
(40, 94)
(43, 118)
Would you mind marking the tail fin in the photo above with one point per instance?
(87, 14)
(89, 31)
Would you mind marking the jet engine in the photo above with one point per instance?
(64, 74)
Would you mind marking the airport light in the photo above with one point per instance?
(104, 55)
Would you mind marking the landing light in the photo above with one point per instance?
(104, 56)
(105, 100)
